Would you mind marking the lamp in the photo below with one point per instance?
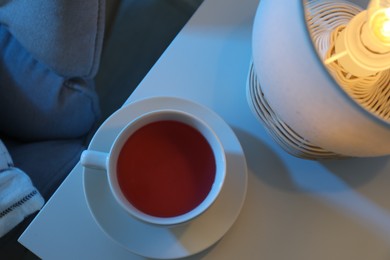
(319, 80)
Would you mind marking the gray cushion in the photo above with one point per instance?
(38, 104)
(66, 35)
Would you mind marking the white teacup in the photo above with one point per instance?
(165, 167)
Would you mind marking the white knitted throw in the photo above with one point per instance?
(18, 197)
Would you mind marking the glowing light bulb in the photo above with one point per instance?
(363, 47)
(379, 20)
(385, 30)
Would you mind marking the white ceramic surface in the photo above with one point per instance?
(288, 139)
(301, 91)
(180, 241)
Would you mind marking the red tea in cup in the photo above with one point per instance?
(166, 168)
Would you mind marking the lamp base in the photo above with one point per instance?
(285, 136)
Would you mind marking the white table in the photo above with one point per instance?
(295, 209)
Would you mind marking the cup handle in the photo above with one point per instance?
(94, 159)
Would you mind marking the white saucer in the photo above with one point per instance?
(175, 242)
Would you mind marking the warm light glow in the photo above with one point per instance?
(386, 25)
(380, 24)
(362, 48)
(386, 29)
(379, 20)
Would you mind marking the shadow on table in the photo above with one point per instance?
(265, 163)
(307, 176)
(338, 184)
(357, 171)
